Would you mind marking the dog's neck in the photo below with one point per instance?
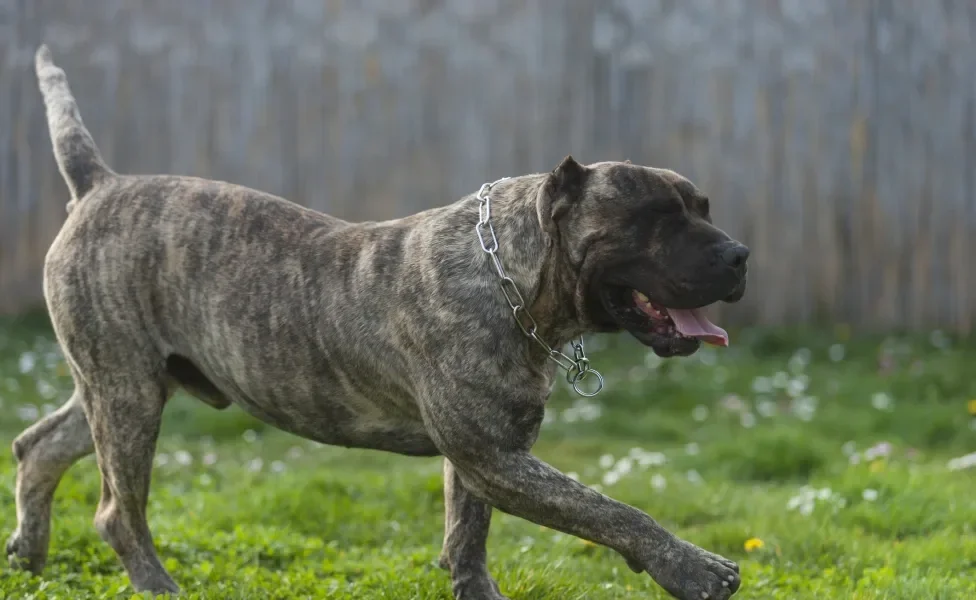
(533, 260)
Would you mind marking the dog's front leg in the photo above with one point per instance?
(520, 484)
(466, 522)
(491, 460)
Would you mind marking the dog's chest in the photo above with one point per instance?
(361, 411)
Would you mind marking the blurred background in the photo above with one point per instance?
(836, 138)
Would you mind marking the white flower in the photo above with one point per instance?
(183, 457)
(766, 407)
(694, 477)
(692, 449)
(869, 495)
(250, 436)
(805, 407)
(610, 478)
(733, 403)
(46, 390)
(606, 461)
(762, 385)
(255, 464)
(796, 387)
(28, 412)
(658, 482)
(879, 450)
(623, 466)
(651, 459)
(588, 411)
(965, 461)
(162, 460)
(780, 380)
(799, 360)
(27, 362)
(848, 448)
(277, 466)
(295, 452)
(209, 458)
(881, 401)
(573, 475)
(748, 420)
(836, 352)
(700, 413)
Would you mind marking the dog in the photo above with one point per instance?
(430, 335)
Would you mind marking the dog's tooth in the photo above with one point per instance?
(643, 298)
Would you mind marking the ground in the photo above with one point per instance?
(829, 467)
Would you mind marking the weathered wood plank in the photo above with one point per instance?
(838, 139)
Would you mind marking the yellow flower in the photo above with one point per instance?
(972, 407)
(754, 544)
(877, 466)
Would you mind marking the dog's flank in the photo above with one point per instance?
(77, 155)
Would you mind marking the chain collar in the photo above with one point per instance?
(578, 367)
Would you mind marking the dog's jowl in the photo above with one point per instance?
(396, 336)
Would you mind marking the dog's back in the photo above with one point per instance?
(234, 294)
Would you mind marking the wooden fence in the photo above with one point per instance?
(835, 137)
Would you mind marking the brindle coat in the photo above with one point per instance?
(386, 335)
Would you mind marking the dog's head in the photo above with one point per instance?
(644, 252)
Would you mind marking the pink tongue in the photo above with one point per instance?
(694, 323)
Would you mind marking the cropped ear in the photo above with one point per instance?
(563, 188)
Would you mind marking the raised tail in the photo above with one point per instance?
(78, 158)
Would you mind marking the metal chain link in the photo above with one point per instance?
(577, 368)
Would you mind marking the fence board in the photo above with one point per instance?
(836, 138)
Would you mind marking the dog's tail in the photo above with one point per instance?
(78, 158)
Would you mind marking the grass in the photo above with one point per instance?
(823, 464)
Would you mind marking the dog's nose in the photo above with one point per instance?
(735, 254)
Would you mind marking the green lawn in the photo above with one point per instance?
(837, 454)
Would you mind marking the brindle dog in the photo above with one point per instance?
(387, 335)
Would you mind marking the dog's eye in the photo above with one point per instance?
(667, 205)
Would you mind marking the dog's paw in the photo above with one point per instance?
(21, 556)
(478, 590)
(690, 573)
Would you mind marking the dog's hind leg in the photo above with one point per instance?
(44, 452)
(125, 408)
(466, 522)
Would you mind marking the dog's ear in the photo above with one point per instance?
(627, 161)
(563, 187)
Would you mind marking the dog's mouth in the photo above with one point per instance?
(669, 331)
